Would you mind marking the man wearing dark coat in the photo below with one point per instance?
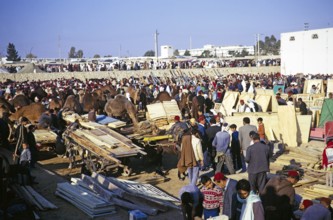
(244, 137)
(210, 135)
(278, 196)
(302, 107)
(229, 189)
(257, 156)
(32, 145)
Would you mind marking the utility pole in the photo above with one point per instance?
(306, 26)
(156, 45)
(59, 47)
(190, 43)
(258, 46)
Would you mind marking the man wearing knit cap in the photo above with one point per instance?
(229, 188)
(177, 129)
(242, 106)
(318, 211)
(278, 196)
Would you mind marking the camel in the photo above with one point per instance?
(72, 104)
(134, 94)
(20, 101)
(163, 96)
(32, 112)
(56, 103)
(119, 106)
(5, 107)
(91, 100)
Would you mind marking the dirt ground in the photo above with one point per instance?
(52, 169)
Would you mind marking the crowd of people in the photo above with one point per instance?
(241, 150)
(127, 64)
(205, 142)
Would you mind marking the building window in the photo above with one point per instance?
(292, 38)
(314, 36)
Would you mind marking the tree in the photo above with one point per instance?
(97, 56)
(30, 56)
(270, 46)
(149, 53)
(176, 52)
(205, 54)
(79, 54)
(243, 53)
(72, 53)
(12, 54)
(187, 53)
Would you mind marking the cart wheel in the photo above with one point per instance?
(127, 171)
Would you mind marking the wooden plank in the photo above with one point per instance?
(245, 96)
(229, 101)
(287, 119)
(45, 136)
(304, 127)
(81, 140)
(147, 190)
(40, 199)
(263, 101)
(82, 196)
(151, 209)
(156, 111)
(329, 86)
(319, 83)
(273, 105)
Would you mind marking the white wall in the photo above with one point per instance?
(166, 51)
(305, 54)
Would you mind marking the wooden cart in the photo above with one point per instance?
(101, 149)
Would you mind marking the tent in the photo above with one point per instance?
(326, 112)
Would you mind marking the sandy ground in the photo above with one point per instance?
(52, 170)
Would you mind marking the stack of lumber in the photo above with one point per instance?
(117, 124)
(317, 191)
(43, 136)
(171, 108)
(138, 190)
(161, 122)
(163, 113)
(120, 195)
(33, 198)
(70, 116)
(85, 200)
(156, 111)
(303, 159)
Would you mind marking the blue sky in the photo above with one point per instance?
(126, 27)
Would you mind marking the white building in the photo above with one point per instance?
(219, 51)
(308, 52)
(166, 51)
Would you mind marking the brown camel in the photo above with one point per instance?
(32, 112)
(120, 106)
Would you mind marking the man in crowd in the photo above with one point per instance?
(318, 211)
(229, 189)
(244, 137)
(278, 196)
(221, 143)
(211, 131)
(257, 156)
(302, 107)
